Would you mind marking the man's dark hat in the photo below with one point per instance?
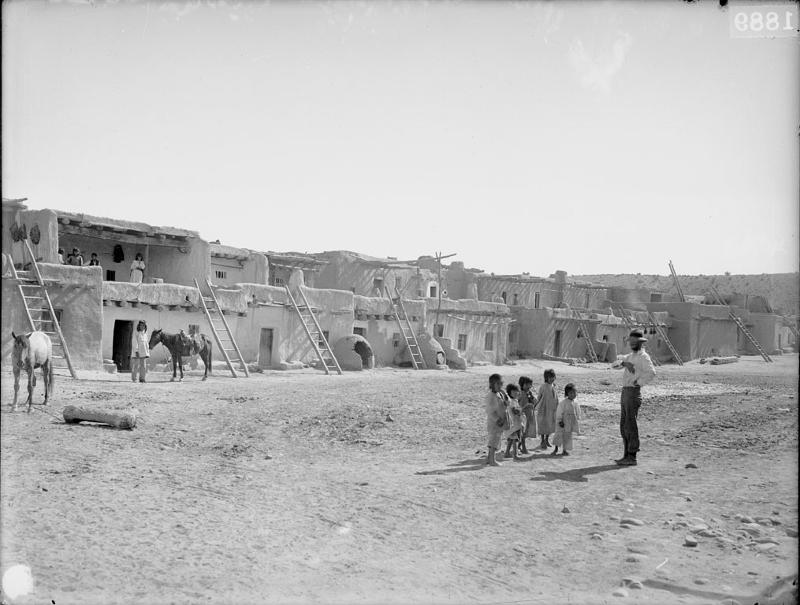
(638, 335)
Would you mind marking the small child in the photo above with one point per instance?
(546, 403)
(514, 432)
(527, 402)
(566, 420)
(496, 417)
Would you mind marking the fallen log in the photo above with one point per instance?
(721, 360)
(116, 418)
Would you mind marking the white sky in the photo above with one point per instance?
(534, 136)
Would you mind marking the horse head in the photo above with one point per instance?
(20, 341)
(155, 337)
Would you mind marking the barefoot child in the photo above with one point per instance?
(496, 416)
(546, 404)
(566, 421)
(514, 432)
(527, 402)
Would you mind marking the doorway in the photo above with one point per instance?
(557, 344)
(121, 347)
(265, 348)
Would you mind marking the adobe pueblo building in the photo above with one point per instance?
(335, 310)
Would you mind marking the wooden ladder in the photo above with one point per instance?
(740, 324)
(630, 324)
(407, 330)
(663, 335)
(39, 309)
(314, 332)
(226, 342)
(677, 283)
(584, 328)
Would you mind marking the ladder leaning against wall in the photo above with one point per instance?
(221, 330)
(740, 324)
(314, 332)
(576, 315)
(407, 330)
(39, 309)
(662, 333)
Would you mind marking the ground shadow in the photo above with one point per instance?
(578, 475)
(473, 464)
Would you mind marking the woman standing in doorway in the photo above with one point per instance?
(140, 351)
(137, 269)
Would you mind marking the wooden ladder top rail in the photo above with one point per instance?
(406, 330)
(217, 339)
(48, 309)
(314, 333)
(677, 283)
(740, 324)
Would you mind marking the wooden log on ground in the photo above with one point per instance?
(722, 360)
(116, 418)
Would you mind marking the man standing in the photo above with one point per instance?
(638, 372)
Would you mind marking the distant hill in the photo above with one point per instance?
(781, 289)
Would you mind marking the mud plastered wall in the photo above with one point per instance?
(78, 294)
(46, 251)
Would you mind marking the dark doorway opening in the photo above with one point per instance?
(557, 344)
(121, 352)
(265, 349)
(365, 352)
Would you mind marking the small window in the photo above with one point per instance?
(535, 300)
(433, 292)
(489, 344)
(377, 284)
(462, 342)
(359, 331)
(220, 274)
(504, 296)
(396, 340)
(438, 330)
(111, 275)
(277, 281)
(516, 298)
(398, 281)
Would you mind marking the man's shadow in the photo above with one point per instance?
(577, 475)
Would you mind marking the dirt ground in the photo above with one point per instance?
(295, 487)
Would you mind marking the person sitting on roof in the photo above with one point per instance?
(94, 261)
(75, 258)
(61, 255)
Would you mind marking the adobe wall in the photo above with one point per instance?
(46, 251)
(349, 273)
(79, 296)
(474, 320)
(491, 288)
(699, 330)
(583, 297)
(375, 316)
(176, 267)
(254, 270)
(765, 328)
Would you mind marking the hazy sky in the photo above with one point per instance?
(534, 136)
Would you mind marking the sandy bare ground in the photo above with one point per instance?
(295, 487)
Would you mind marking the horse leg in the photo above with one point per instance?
(46, 377)
(16, 387)
(31, 384)
(174, 368)
(180, 365)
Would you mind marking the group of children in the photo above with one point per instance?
(514, 414)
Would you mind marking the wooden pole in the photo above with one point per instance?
(439, 258)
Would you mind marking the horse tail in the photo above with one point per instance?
(209, 348)
(50, 378)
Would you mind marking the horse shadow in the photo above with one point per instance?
(575, 475)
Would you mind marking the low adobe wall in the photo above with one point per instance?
(79, 296)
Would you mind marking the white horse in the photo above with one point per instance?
(31, 351)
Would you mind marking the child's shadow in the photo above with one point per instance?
(474, 464)
(578, 475)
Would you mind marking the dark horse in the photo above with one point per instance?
(180, 345)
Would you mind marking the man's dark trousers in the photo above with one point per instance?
(629, 410)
